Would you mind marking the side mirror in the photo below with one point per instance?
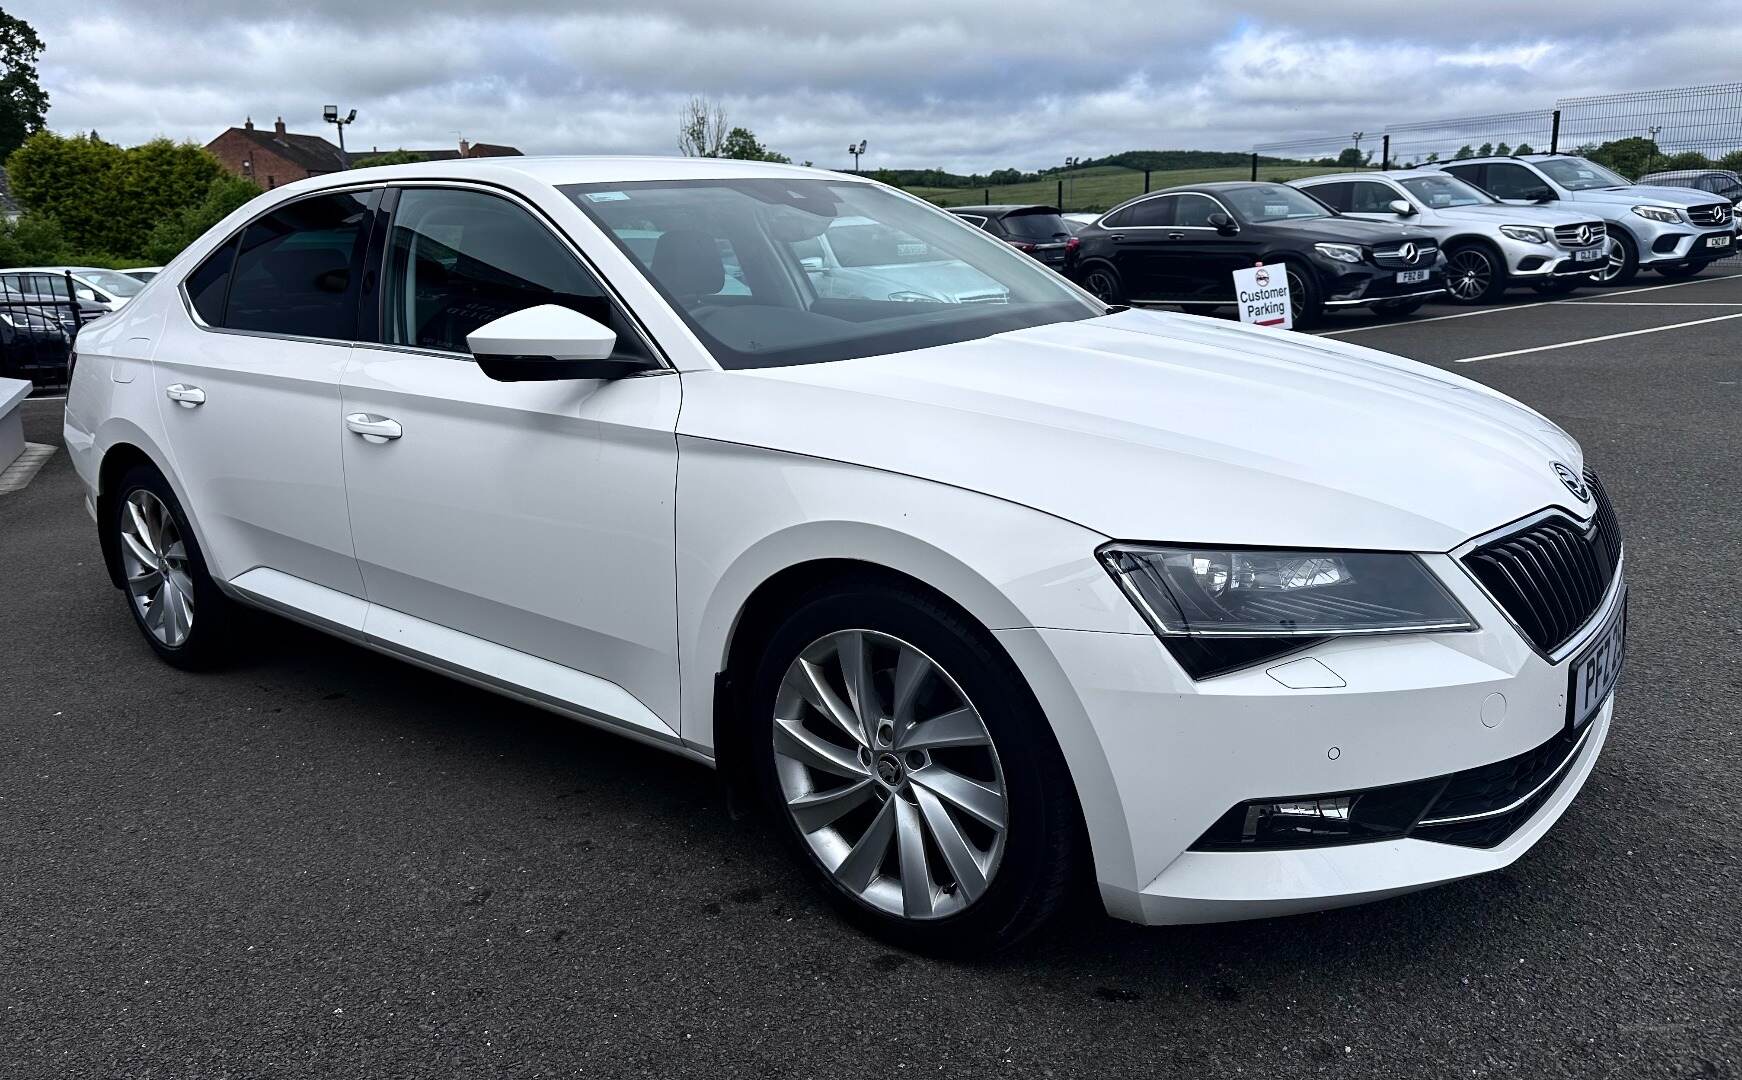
(1541, 195)
(546, 343)
(85, 294)
(1223, 224)
(1402, 207)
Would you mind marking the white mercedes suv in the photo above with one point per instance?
(979, 597)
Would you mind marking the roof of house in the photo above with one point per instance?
(310, 152)
(475, 150)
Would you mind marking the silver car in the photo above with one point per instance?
(1488, 244)
(1676, 231)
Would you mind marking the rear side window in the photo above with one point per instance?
(208, 283)
(459, 259)
(1469, 174)
(297, 270)
(1149, 212)
(1335, 196)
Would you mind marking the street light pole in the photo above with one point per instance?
(856, 149)
(330, 113)
(1358, 136)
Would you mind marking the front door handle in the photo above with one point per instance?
(375, 429)
(1118, 238)
(184, 395)
(1176, 236)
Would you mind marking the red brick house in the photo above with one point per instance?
(466, 150)
(275, 157)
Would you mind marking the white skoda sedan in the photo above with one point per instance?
(981, 588)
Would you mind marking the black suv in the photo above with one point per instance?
(1039, 231)
(1182, 246)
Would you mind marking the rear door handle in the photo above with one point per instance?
(1176, 236)
(1118, 238)
(375, 429)
(184, 395)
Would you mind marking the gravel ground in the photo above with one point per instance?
(325, 863)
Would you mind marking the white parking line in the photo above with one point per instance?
(1594, 340)
(1522, 307)
(1661, 303)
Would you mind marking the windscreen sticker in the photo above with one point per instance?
(1275, 209)
(606, 196)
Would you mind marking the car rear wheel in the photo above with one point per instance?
(1103, 281)
(913, 772)
(1623, 262)
(1682, 270)
(1474, 275)
(184, 618)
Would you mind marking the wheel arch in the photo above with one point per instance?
(118, 458)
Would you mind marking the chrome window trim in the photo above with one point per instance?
(1105, 224)
(1588, 629)
(658, 354)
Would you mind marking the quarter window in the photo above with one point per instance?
(460, 259)
(296, 272)
(208, 283)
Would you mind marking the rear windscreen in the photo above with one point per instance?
(1037, 225)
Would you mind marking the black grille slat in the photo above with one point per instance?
(1551, 577)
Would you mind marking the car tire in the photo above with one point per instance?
(1678, 271)
(185, 618)
(904, 844)
(1307, 307)
(1101, 279)
(1623, 265)
(1475, 274)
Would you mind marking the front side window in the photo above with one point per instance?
(1509, 181)
(297, 270)
(1574, 174)
(459, 259)
(928, 295)
(1261, 203)
(1369, 197)
(1439, 192)
(1195, 211)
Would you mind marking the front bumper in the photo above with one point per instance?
(1354, 285)
(1664, 242)
(1158, 758)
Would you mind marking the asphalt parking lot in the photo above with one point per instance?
(326, 863)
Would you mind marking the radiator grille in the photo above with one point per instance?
(1574, 235)
(1710, 214)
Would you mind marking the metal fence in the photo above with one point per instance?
(39, 323)
(1644, 130)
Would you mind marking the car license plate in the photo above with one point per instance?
(1588, 255)
(1592, 677)
(1411, 277)
(1720, 241)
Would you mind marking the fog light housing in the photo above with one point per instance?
(1346, 817)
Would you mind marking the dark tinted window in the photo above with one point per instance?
(1470, 174)
(1336, 196)
(208, 283)
(1035, 225)
(1195, 210)
(1149, 212)
(1508, 181)
(459, 259)
(1368, 197)
(297, 270)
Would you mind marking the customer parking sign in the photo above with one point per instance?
(1263, 294)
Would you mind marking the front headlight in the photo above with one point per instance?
(1270, 602)
(1346, 253)
(1527, 233)
(1658, 213)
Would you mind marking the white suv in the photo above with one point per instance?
(978, 597)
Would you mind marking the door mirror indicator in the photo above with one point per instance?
(1402, 207)
(549, 342)
(1223, 224)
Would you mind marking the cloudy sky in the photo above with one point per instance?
(960, 84)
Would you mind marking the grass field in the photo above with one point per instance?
(1103, 188)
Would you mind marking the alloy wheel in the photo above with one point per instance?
(889, 772)
(1100, 282)
(154, 560)
(1613, 266)
(1469, 274)
(1296, 296)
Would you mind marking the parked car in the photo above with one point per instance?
(1077, 222)
(48, 292)
(142, 273)
(1676, 231)
(35, 342)
(857, 258)
(1720, 182)
(1039, 231)
(1488, 245)
(108, 289)
(1182, 245)
(983, 599)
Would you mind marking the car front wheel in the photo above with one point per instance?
(1622, 264)
(912, 771)
(1474, 275)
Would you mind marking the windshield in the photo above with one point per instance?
(1272, 202)
(1577, 174)
(1442, 191)
(112, 282)
(740, 261)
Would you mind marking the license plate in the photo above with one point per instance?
(1595, 670)
(1411, 277)
(1720, 241)
(1588, 255)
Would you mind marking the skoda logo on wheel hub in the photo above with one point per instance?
(889, 770)
(1573, 482)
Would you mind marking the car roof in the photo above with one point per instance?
(998, 209)
(1369, 174)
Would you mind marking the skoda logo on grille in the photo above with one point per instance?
(1586, 235)
(1408, 253)
(1573, 482)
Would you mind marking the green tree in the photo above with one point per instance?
(1631, 157)
(1485, 150)
(1432, 155)
(1502, 149)
(23, 102)
(1353, 158)
(1464, 151)
(32, 240)
(148, 184)
(1522, 149)
(1731, 161)
(1687, 159)
(169, 236)
(66, 178)
(391, 157)
(741, 145)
